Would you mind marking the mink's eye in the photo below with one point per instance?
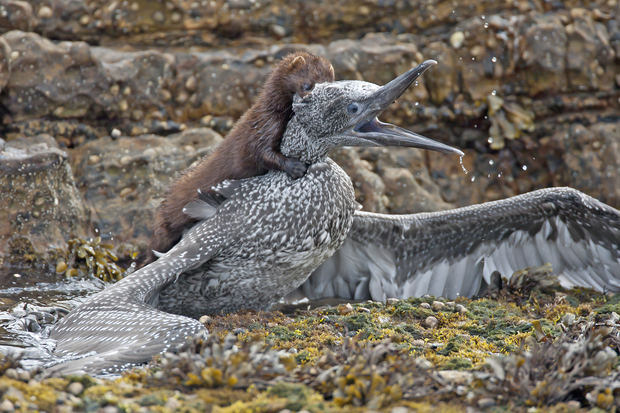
(353, 108)
(307, 87)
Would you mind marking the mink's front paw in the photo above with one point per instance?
(295, 169)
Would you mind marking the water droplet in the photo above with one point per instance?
(490, 140)
(473, 178)
(494, 59)
(486, 25)
(491, 162)
(463, 166)
(494, 93)
(524, 167)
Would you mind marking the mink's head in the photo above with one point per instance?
(299, 72)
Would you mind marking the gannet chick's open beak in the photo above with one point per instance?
(345, 114)
(370, 129)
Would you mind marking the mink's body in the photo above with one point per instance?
(251, 148)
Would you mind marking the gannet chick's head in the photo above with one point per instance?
(345, 114)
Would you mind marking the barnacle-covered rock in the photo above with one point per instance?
(40, 206)
(508, 120)
(122, 181)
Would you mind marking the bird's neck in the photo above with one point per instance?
(296, 143)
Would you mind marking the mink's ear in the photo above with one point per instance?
(298, 62)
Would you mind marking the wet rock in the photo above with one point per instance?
(75, 388)
(40, 206)
(17, 15)
(592, 159)
(122, 181)
(589, 54)
(345, 309)
(544, 55)
(5, 58)
(369, 188)
(7, 406)
(431, 322)
(72, 79)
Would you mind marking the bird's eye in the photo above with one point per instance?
(307, 87)
(353, 108)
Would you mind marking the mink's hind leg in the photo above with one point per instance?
(276, 161)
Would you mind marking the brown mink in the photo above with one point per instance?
(251, 148)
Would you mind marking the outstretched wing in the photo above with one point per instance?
(452, 253)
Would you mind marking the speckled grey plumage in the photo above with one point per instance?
(453, 253)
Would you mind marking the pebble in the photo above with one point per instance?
(24, 375)
(345, 309)
(521, 322)
(11, 374)
(486, 402)
(190, 84)
(173, 404)
(457, 39)
(425, 306)
(45, 12)
(431, 322)
(7, 406)
(94, 159)
(159, 17)
(391, 301)
(450, 304)
(460, 309)
(418, 343)
(400, 409)
(75, 388)
(363, 310)
(61, 267)
(568, 319)
(125, 191)
(423, 363)
(110, 409)
(115, 132)
(438, 305)
(205, 319)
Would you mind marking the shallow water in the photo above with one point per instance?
(31, 303)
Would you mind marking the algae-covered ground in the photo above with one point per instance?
(527, 346)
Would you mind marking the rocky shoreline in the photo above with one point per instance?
(102, 102)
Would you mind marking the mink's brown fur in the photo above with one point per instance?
(251, 148)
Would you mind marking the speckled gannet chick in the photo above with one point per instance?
(260, 237)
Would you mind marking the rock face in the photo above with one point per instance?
(122, 181)
(40, 207)
(529, 90)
